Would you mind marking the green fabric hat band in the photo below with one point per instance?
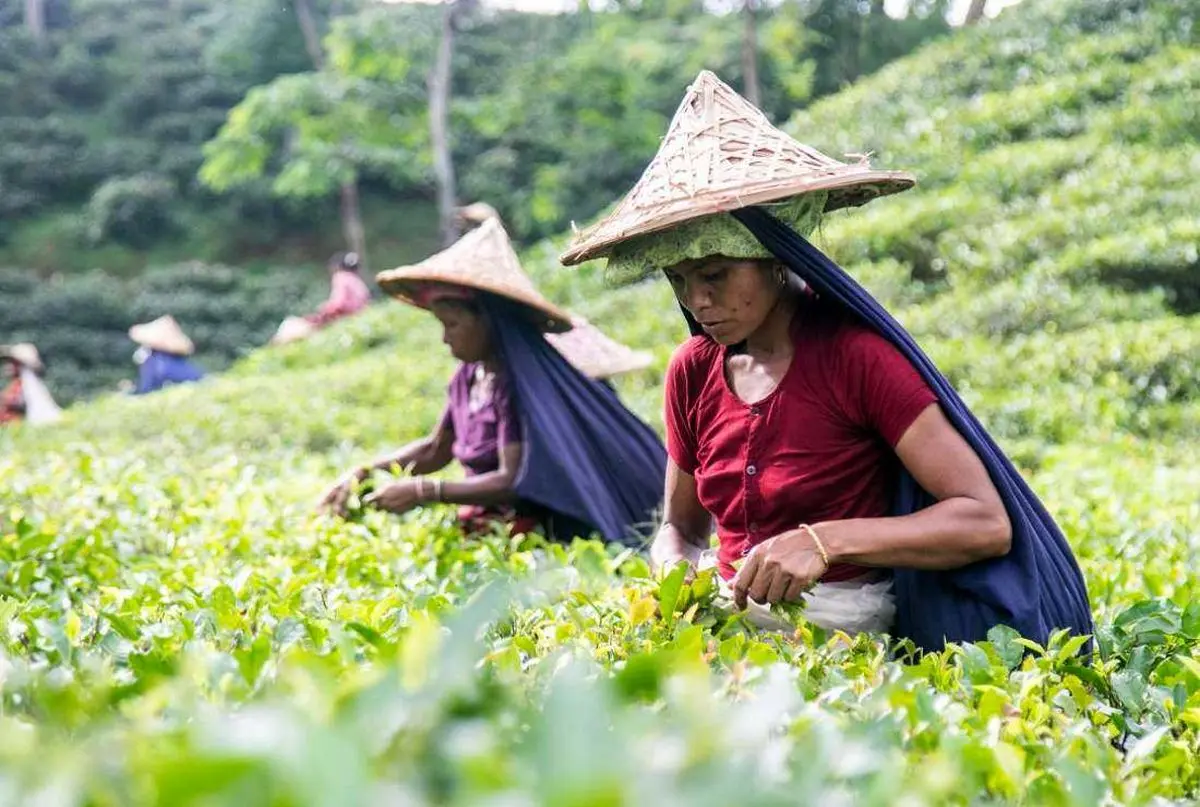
(719, 234)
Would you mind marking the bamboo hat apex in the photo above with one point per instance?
(484, 260)
(163, 334)
(721, 153)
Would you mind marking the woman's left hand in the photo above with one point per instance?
(779, 569)
(398, 497)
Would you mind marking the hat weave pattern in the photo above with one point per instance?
(720, 154)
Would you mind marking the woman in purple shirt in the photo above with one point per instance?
(478, 427)
(541, 440)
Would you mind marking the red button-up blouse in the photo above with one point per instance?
(819, 447)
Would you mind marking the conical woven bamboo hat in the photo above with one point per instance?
(163, 334)
(592, 353)
(23, 353)
(720, 154)
(482, 259)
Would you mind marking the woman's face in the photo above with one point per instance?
(729, 297)
(463, 331)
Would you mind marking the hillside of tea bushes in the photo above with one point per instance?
(181, 630)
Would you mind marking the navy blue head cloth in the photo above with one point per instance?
(1037, 587)
(585, 457)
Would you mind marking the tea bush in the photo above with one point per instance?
(80, 322)
(181, 629)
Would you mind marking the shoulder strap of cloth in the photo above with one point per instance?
(585, 455)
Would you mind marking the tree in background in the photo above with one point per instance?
(439, 114)
(35, 20)
(310, 103)
(975, 12)
(750, 86)
(351, 208)
(854, 38)
(320, 132)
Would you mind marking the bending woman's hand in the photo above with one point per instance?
(334, 500)
(686, 524)
(779, 569)
(398, 497)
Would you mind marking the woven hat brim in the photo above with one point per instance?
(848, 186)
(400, 283)
(160, 336)
(596, 355)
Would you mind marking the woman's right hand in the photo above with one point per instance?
(334, 500)
(669, 548)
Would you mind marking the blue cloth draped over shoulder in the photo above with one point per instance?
(585, 456)
(160, 369)
(1037, 587)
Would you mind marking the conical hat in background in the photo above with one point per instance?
(476, 213)
(163, 334)
(720, 154)
(483, 259)
(594, 354)
(23, 353)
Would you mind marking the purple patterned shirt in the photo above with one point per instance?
(479, 435)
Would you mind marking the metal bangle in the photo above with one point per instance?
(817, 541)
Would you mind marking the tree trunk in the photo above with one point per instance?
(750, 52)
(352, 224)
(353, 230)
(35, 20)
(975, 12)
(312, 35)
(439, 108)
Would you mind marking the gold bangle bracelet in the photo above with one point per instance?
(817, 541)
(437, 490)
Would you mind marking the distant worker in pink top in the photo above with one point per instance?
(348, 293)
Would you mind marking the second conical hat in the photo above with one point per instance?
(594, 354)
(483, 259)
(721, 153)
(163, 334)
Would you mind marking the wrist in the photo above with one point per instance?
(832, 539)
(670, 547)
(428, 490)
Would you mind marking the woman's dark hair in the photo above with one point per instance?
(346, 261)
(471, 305)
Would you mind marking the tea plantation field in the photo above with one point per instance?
(180, 628)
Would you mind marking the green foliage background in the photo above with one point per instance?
(180, 629)
(146, 136)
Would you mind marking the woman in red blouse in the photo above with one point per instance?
(785, 413)
(787, 421)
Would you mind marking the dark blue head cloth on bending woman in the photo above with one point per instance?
(585, 457)
(1037, 587)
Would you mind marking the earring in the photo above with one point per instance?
(781, 275)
